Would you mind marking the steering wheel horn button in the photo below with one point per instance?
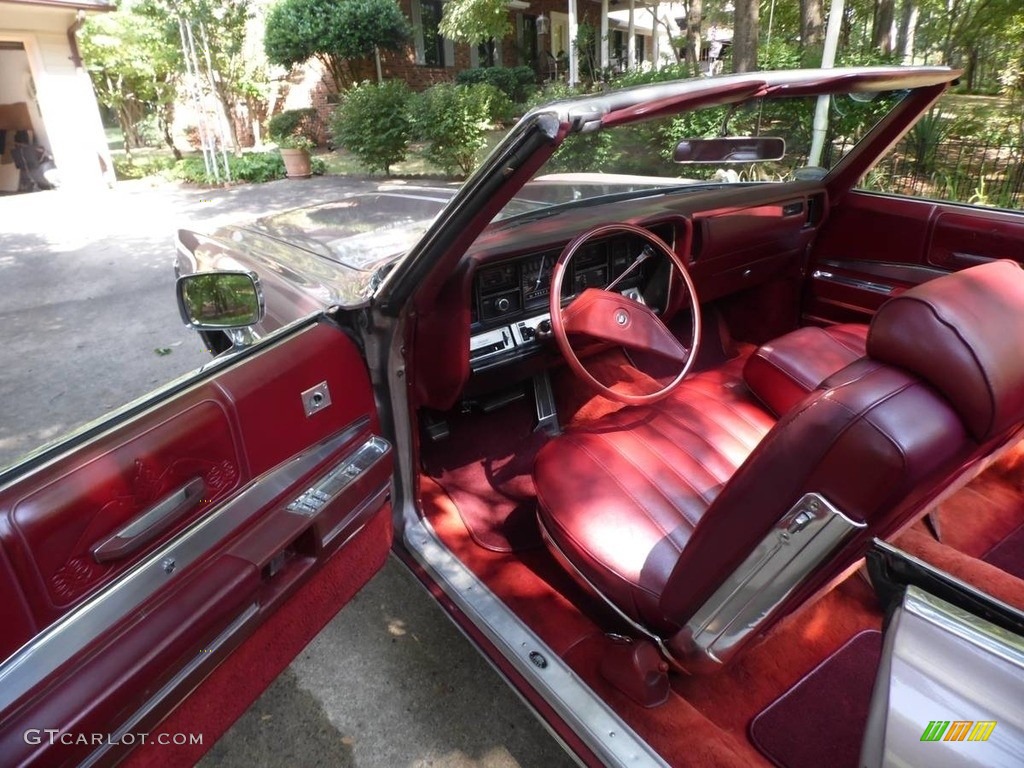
(621, 318)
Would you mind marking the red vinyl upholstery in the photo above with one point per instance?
(783, 372)
(962, 334)
(656, 506)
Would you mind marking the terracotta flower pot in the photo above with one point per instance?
(296, 163)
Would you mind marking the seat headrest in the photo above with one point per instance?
(964, 334)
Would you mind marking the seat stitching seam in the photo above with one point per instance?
(687, 426)
(626, 490)
(674, 471)
(719, 423)
(714, 475)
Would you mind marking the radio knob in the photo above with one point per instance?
(502, 304)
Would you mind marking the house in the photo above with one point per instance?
(45, 89)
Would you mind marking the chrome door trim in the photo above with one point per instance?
(852, 282)
(45, 653)
(599, 727)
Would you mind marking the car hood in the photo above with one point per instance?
(361, 232)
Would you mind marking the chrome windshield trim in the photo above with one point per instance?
(55, 646)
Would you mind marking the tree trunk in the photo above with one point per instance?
(812, 32)
(745, 33)
(907, 30)
(881, 32)
(694, 12)
(971, 68)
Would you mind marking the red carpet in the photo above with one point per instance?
(486, 466)
(820, 721)
(1008, 554)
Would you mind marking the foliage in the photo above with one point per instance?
(336, 32)
(134, 70)
(926, 136)
(290, 123)
(780, 54)
(128, 167)
(374, 123)
(452, 120)
(518, 83)
(475, 21)
(255, 167)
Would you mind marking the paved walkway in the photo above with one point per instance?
(89, 322)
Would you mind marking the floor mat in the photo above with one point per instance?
(486, 466)
(1008, 555)
(820, 721)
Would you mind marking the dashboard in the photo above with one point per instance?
(509, 312)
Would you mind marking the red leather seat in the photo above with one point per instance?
(663, 509)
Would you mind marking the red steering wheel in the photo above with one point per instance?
(603, 314)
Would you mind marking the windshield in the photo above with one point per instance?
(637, 158)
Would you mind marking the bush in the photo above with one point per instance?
(254, 167)
(453, 121)
(518, 83)
(291, 122)
(374, 123)
(136, 167)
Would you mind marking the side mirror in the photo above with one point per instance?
(730, 149)
(217, 301)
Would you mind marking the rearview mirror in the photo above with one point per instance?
(730, 149)
(216, 301)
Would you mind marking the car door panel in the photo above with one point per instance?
(965, 238)
(875, 246)
(251, 489)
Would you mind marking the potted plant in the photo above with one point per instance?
(291, 131)
(295, 153)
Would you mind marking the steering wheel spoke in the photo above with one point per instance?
(604, 315)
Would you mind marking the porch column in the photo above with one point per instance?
(604, 34)
(631, 38)
(574, 59)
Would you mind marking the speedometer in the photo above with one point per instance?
(536, 276)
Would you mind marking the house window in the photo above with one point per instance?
(429, 42)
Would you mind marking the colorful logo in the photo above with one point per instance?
(958, 730)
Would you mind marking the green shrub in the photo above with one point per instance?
(518, 83)
(291, 122)
(135, 167)
(452, 120)
(253, 167)
(374, 123)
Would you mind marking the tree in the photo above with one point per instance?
(694, 13)
(339, 34)
(812, 32)
(881, 33)
(475, 21)
(745, 36)
(134, 71)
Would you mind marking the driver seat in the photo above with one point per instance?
(702, 522)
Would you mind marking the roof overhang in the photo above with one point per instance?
(94, 6)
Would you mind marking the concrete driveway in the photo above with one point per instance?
(89, 322)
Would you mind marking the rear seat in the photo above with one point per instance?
(783, 371)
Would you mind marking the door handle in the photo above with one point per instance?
(151, 523)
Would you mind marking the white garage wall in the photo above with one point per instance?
(67, 104)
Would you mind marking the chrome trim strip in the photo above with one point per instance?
(169, 687)
(811, 530)
(603, 731)
(328, 487)
(853, 282)
(58, 644)
(965, 625)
